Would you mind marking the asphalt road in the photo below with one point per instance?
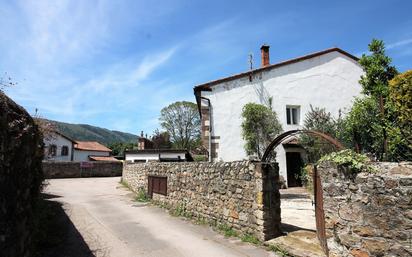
(112, 224)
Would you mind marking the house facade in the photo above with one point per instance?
(326, 79)
(58, 147)
(91, 151)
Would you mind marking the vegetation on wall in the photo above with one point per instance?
(260, 125)
(181, 120)
(349, 159)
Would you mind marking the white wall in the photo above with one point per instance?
(152, 156)
(83, 155)
(59, 141)
(329, 81)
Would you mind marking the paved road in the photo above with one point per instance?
(112, 224)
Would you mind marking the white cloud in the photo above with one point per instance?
(400, 43)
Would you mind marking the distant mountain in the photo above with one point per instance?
(84, 132)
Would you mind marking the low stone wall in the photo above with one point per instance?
(243, 195)
(81, 169)
(368, 214)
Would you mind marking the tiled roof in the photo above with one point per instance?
(91, 146)
(102, 158)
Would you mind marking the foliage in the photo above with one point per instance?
(378, 70)
(306, 177)
(400, 96)
(227, 230)
(364, 128)
(182, 121)
(118, 148)
(260, 125)
(319, 119)
(161, 140)
(6, 81)
(250, 239)
(278, 250)
(46, 128)
(348, 158)
(142, 196)
(200, 158)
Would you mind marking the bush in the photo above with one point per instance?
(349, 159)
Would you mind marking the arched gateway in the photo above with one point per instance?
(317, 187)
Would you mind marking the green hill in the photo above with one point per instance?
(84, 132)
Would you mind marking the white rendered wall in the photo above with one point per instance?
(59, 141)
(328, 81)
(153, 156)
(83, 155)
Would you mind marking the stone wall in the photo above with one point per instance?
(81, 169)
(368, 214)
(243, 195)
(21, 152)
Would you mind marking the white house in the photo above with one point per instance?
(326, 79)
(91, 151)
(58, 147)
(162, 155)
(146, 152)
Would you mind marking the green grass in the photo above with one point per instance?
(142, 197)
(250, 239)
(227, 231)
(278, 250)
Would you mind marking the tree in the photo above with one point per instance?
(259, 127)
(319, 119)
(161, 140)
(182, 121)
(378, 71)
(118, 148)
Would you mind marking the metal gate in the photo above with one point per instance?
(320, 215)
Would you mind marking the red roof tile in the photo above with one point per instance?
(91, 146)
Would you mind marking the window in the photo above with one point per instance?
(292, 115)
(52, 150)
(65, 150)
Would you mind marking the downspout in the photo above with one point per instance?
(210, 127)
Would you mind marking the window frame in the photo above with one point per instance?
(293, 115)
(64, 151)
(53, 150)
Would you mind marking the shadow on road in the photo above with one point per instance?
(56, 236)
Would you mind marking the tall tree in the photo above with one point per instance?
(378, 72)
(259, 127)
(182, 121)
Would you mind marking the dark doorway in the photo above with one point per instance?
(294, 165)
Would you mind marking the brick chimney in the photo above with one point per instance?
(265, 55)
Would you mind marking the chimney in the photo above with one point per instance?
(265, 55)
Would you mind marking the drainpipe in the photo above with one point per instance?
(210, 127)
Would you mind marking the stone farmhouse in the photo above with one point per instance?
(59, 147)
(326, 79)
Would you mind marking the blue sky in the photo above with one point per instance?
(115, 64)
